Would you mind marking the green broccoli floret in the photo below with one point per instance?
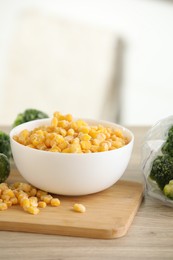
(168, 190)
(29, 115)
(162, 170)
(5, 147)
(4, 167)
(168, 145)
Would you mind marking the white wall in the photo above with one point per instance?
(147, 30)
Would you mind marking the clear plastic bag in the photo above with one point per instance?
(151, 148)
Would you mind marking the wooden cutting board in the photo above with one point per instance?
(109, 213)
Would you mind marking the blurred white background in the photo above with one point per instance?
(145, 29)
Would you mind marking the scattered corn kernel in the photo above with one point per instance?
(46, 198)
(8, 192)
(55, 202)
(3, 206)
(42, 204)
(3, 186)
(14, 201)
(32, 210)
(33, 201)
(29, 198)
(41, 193)
(8, 202)
(25, 203)
(79, 208)
(33, 192)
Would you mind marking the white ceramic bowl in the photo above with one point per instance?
(70, 174)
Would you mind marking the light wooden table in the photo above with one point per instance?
(149, 237)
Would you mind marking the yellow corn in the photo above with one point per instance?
(55, 202)
(14, 201)
(84, 137)
(69, 117)
(32, 210)
(86, 145)
(42, 204)
(25, 203)
(33, 201)
(70, 132)
(79, 208)
(64, 132)
(46, 198)
(3, 206)
(33, 192)
(84, 129)
(3, 186)
(54, 121)
(103, 147)
(41, 193)
(5, 197)
(64, 124)
(9, 193)
(8, 202)
(63, 145)
(24, 187)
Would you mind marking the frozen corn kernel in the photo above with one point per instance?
(33, 192)
(3, 206)
(25, 187)
(54, 121)
(25, 202)
(42, 204)
(93, 133)
(103, 147)
(3, 186)
(63, 145)
(55, 149)
(84, 137)
(69, 117)
(117, 144)
(46, 198)
(5, 197)
(15, 185)
(8, 202)
(74, 148)
(64, 124)
(33, 201)
(76, 140)
(86, 145)
(32, 210)
(55, 202)
(119, 133)
(21, 195)
(70, 132)
(8, 192)
(94, 148)
(14, 201)
(81, 123)
(41, 193)
(84, 129)
(79, 208)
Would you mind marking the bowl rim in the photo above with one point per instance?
(97, 121)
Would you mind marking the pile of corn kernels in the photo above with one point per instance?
(29, 198)
(68, 136)
(25, 195)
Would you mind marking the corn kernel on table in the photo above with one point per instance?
(149, 237)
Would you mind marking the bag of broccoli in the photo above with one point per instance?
(157, 161)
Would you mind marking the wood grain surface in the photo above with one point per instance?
(109, 213)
